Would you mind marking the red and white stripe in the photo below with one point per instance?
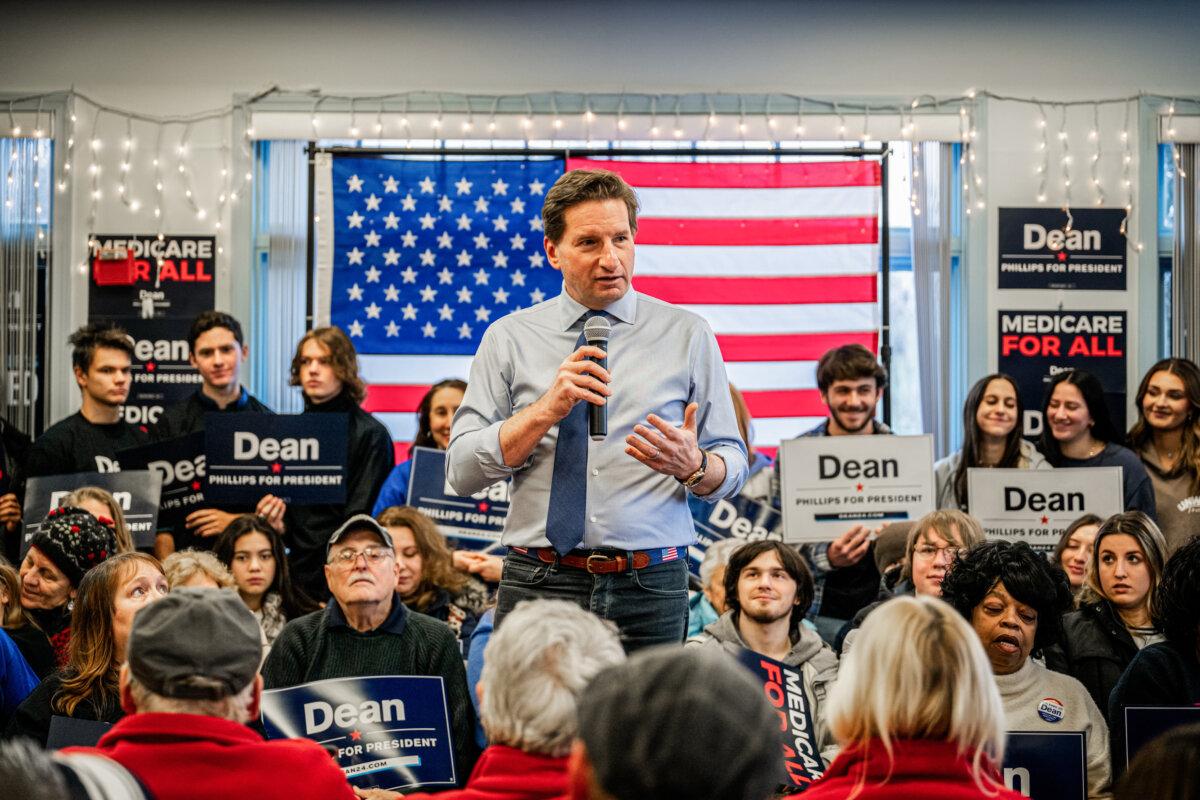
(780, 259)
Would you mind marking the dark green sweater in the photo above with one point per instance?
(321, 645)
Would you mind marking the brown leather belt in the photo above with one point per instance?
(594, 562)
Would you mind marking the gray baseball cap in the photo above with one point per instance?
(359, 522)
(676, 722)
(195, 633)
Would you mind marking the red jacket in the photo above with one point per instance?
(506, 773)
(926, 769)
(192, 757)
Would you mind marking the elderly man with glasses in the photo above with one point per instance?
(366, 631)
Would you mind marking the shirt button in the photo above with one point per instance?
(592, 517)
(595, 471)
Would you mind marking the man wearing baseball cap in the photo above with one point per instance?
(367, 631)
(190, 685)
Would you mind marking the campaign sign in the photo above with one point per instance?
(1044, 248)
(72, 732)
(1037, 507)
(784, 690)
(475, 521)
(1046, 766)
(179, 463)
(736, 518)
(136, 492)
(1037, 345)
(385, 732)
(297, 457)
(831, 483)
(160, 371)
(1144, 724)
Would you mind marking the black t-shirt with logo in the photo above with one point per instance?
(76, 445)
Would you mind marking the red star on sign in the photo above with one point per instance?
(484, 507)
(356, 735)
(1045, 519)
(195, 486)
(150, 366)
(276, 468)
(858, 487)
(1062, 255)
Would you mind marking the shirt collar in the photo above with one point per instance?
(395, 622)
(208, 404)
(570, 311)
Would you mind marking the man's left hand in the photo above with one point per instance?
(10, 511)
(666, 449)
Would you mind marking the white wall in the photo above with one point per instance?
(171, 58)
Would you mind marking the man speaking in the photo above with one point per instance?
(601, 520)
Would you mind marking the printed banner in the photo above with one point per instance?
(1046, 766)
(476, 521)
(1144, 724)
(72, 732)
(179, 463)
(1037, 345)
(1045, 248)
(1037, 507)
(784, 689)
(831, 483)
(388, 732)
(737, 518)
(154, 295)
(136, 492)
(297, 457)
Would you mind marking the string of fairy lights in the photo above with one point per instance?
(139, 140)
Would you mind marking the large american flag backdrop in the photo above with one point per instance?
(780, 258)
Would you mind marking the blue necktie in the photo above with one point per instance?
(568, 485)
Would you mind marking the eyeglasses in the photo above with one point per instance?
(349, 556)
(929, 552)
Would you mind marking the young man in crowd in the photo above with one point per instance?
(366, 630)
(189, 686)
(672, 723)
(851, 383)
(217, 349)
(88, 440)
(325, 368)
(769, 589)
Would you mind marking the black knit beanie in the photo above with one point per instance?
(75, 541)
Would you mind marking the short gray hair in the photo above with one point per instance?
(534, 669)
(717, 556)
(235, 707)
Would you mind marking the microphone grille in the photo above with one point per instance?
(596, 329)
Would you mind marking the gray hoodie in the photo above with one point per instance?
(816, 660)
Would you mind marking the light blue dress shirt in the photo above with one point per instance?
(661, 358)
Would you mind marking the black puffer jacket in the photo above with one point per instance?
(1095, 649)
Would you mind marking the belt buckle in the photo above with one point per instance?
(598, 557)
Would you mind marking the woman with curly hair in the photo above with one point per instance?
(109, 596)
(427, 580)
(1167, 437)
(1167, 673)
(1113, 621)
(1014, 599)
(434, 416)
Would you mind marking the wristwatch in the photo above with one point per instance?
(698, 475)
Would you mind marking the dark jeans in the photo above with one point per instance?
(649, 606)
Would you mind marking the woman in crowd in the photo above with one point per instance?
(1167, 673)
(992, 419)
(1014, 599)
(27, 636)
(907, 730)
(199, 569)
(434, 416)
(1113, 621)
(934, 543)
(428, 581)
(109, 597)
(254, 553)
(104, 507)
(1074, 550)
(1078, 432)
(1165, 769)
(1167, 437)
(70, 542)
(706, 605)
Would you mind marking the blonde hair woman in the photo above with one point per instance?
(907, 729)
(199, 569)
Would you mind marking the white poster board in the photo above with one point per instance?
(1037, 506)
(828, 484)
